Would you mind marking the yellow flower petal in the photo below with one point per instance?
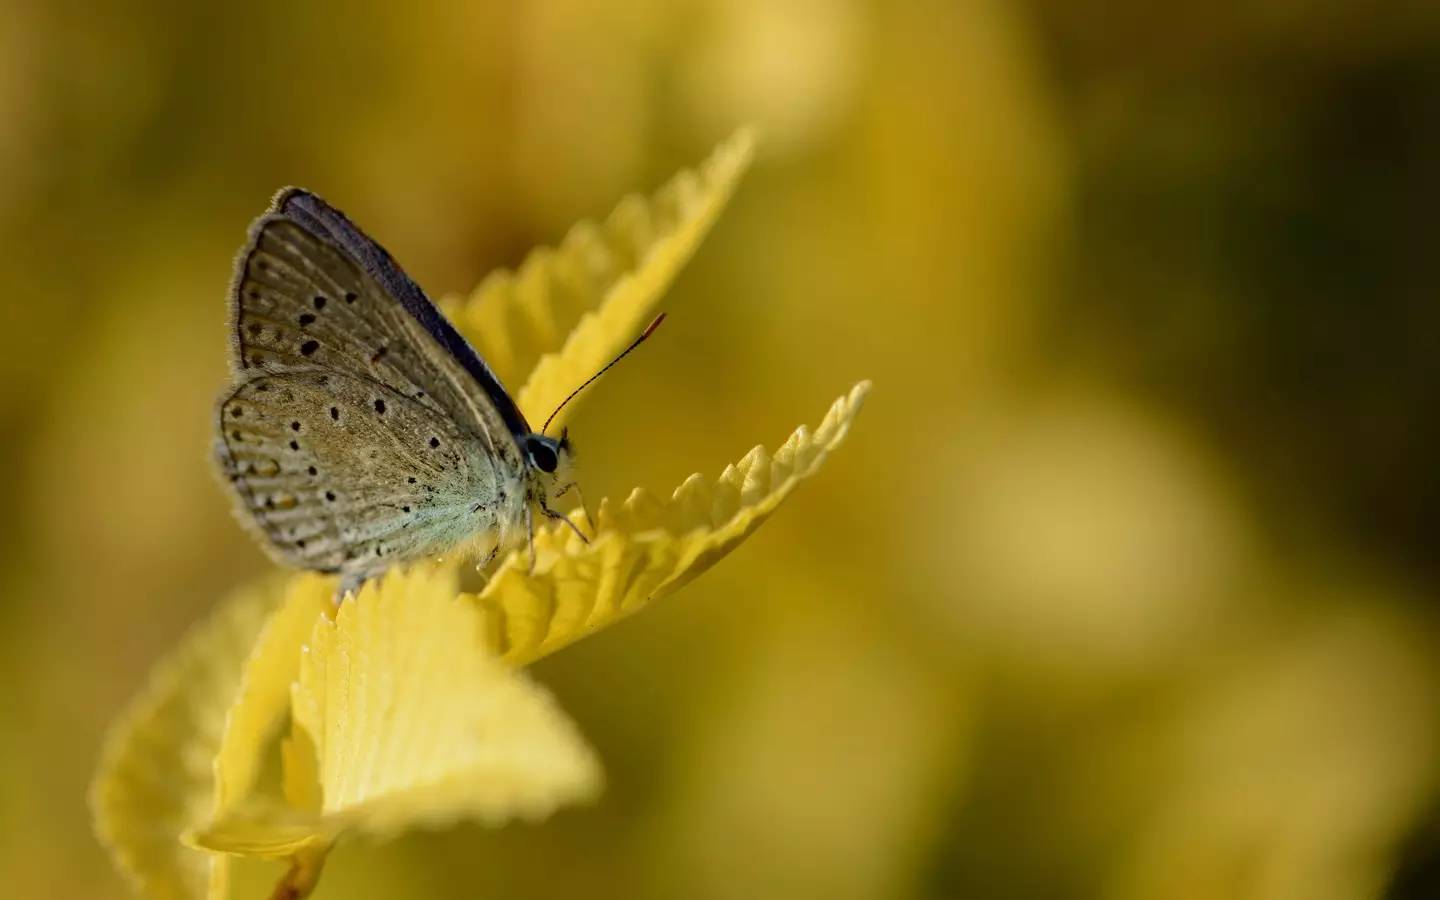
(645, 548)
(591, 296)
(411, 724)
(155, 778)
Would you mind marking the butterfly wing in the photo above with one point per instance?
(345, 473)
(323, 219)
(311, 291)
(345, 374)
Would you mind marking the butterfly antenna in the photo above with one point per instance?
(649, 330)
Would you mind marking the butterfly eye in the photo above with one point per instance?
(541, 455)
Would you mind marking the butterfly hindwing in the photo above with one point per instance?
(345, 473)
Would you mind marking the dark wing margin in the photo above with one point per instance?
(331, 225)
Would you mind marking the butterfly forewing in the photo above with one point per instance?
(343, 472)
(322, 219)
(303, 303)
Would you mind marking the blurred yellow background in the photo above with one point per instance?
(1124, 585)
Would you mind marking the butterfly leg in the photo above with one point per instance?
(349, 586)
(530, 537)
(552, 514)
(575, 485)
(489, 558)
(589, 519)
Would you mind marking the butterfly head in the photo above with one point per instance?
(549, 466)
(548, 459)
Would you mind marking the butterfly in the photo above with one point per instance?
(361, 429)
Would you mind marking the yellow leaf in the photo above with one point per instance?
(260, 705)
(411, 724)
(263, 698)
(645, 548)
(567, 311)
(155, 778)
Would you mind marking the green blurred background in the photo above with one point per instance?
(1124, 586)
